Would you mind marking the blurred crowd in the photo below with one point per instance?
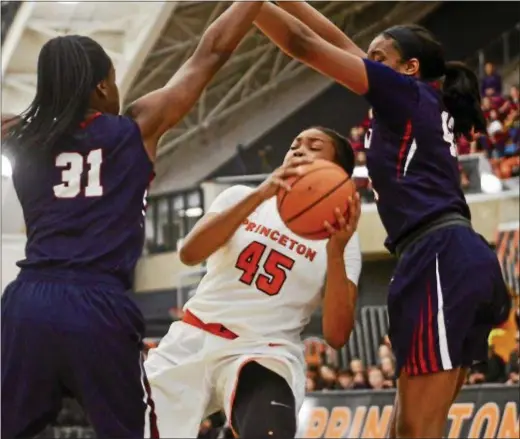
(357, 376)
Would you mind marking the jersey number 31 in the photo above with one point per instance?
(275, 267)
(73, 165)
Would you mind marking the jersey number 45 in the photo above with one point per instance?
(275, 268)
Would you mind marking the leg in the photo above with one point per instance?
(392, 433)
(437, 293)
(264, 404)
(425, 417)
(180, 381)
(106, 374)
(102, 361)
(31, 391)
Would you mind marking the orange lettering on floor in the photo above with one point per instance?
(376, 424)
(488, 414)
(317, 422)
(339, 422)
(357, 423)
(510, 422)
(458, 414)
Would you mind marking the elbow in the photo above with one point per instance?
(300, 43)
(337, 330)
(188, 256)
(336, 336)
(214, 51)
(335, 340)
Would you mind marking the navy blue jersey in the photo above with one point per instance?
(84, 206)
(411, 153)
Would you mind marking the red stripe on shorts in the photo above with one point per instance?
(423, 368)
(434, 362)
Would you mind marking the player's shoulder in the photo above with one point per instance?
(119, 124)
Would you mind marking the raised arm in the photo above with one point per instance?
(299, 41)
(321, 25)
(161, 110)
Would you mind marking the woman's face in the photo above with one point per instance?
(383, 50)
(312, 144)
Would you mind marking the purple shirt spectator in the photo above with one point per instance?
(491, 84)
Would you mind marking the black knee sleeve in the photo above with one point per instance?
(264, 405)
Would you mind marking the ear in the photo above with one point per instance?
(102, 89)
(411, 67)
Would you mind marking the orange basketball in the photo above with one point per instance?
(323, 187)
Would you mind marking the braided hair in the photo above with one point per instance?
(69, 69)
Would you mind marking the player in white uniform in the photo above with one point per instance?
(238, 347)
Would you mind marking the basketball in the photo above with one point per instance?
(323, 187)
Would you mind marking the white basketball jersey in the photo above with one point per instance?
(266, 280)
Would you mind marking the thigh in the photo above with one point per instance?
(31, 389)
(106, 375)
(437, 293)
(263, 404)
(179, 374)
(102, 352)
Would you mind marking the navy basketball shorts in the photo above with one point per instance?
(446, 295)
(67, 334)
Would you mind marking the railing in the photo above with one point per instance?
(500, 51)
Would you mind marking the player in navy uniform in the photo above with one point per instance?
(447, 291)
(81, 172)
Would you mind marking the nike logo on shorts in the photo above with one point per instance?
(280, 404)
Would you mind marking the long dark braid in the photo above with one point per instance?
(69, 68)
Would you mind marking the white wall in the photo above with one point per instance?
(12, 216)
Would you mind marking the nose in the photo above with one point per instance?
(299, 153)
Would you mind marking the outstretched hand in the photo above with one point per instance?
(345, 225)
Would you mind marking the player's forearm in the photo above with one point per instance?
(213, 232)
(286, 31)
(321, 25)
(339, 302)
(224, 34)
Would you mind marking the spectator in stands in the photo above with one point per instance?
(388, 370)
(513, 99)
(376, 379)
(513, 366)
(491, 84)
(384, 351)
(496, 367)
(357, 366)
(346, 380)
(476, 374)
(310, 385)
(360, 381)
(356, 138)
(486, 107)
(328, 377)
